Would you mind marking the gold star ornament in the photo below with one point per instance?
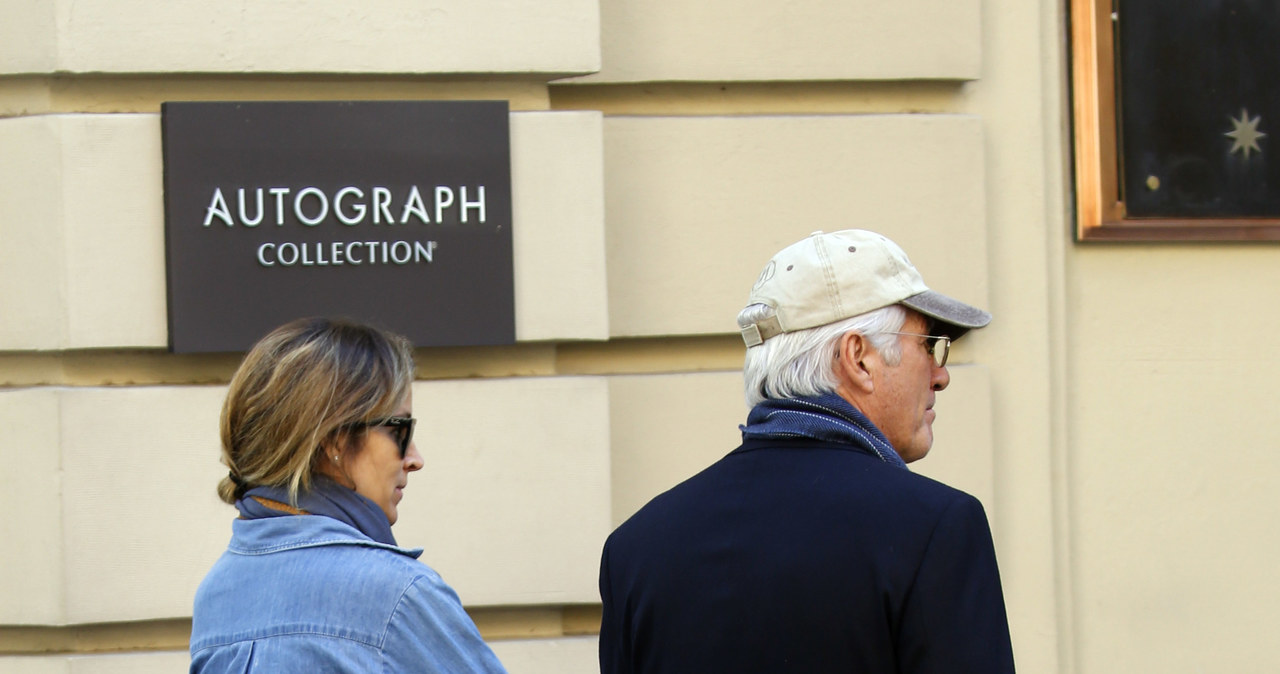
(1245, 134)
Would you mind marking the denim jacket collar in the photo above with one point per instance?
(276, 534)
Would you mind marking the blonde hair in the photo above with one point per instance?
(303, 388)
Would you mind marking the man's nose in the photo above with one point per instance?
(941, 377)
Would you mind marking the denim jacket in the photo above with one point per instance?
(310, 594)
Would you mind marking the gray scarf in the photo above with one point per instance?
(327, 498)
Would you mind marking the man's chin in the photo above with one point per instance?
(913, 454)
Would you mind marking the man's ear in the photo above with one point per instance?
(853, 369)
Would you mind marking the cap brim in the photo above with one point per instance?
(955, 316)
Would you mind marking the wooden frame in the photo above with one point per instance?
(1100, 211)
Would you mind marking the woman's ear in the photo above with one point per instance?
(331, 459)
(346, 442)
(333, 449)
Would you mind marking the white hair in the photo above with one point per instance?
(801, 363)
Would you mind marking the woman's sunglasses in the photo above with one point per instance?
(401, 429)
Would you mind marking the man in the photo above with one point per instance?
(811, 547)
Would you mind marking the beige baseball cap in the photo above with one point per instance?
(828, 277)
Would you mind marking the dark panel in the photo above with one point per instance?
(1198, 107)
(413, 266)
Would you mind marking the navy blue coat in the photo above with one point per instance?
(804, 556)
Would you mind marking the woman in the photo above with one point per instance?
(317, 430)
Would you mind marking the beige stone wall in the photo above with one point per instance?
(757, 40)
(1113, 419)
(111, 443)
(91, 273)
(376, 36)
(1172, 503)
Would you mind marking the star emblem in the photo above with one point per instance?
(1245, 134)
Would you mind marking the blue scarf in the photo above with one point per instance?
(825, 417)
(327, 498)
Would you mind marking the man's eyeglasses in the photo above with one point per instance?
(938, 346)
(401, 429)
